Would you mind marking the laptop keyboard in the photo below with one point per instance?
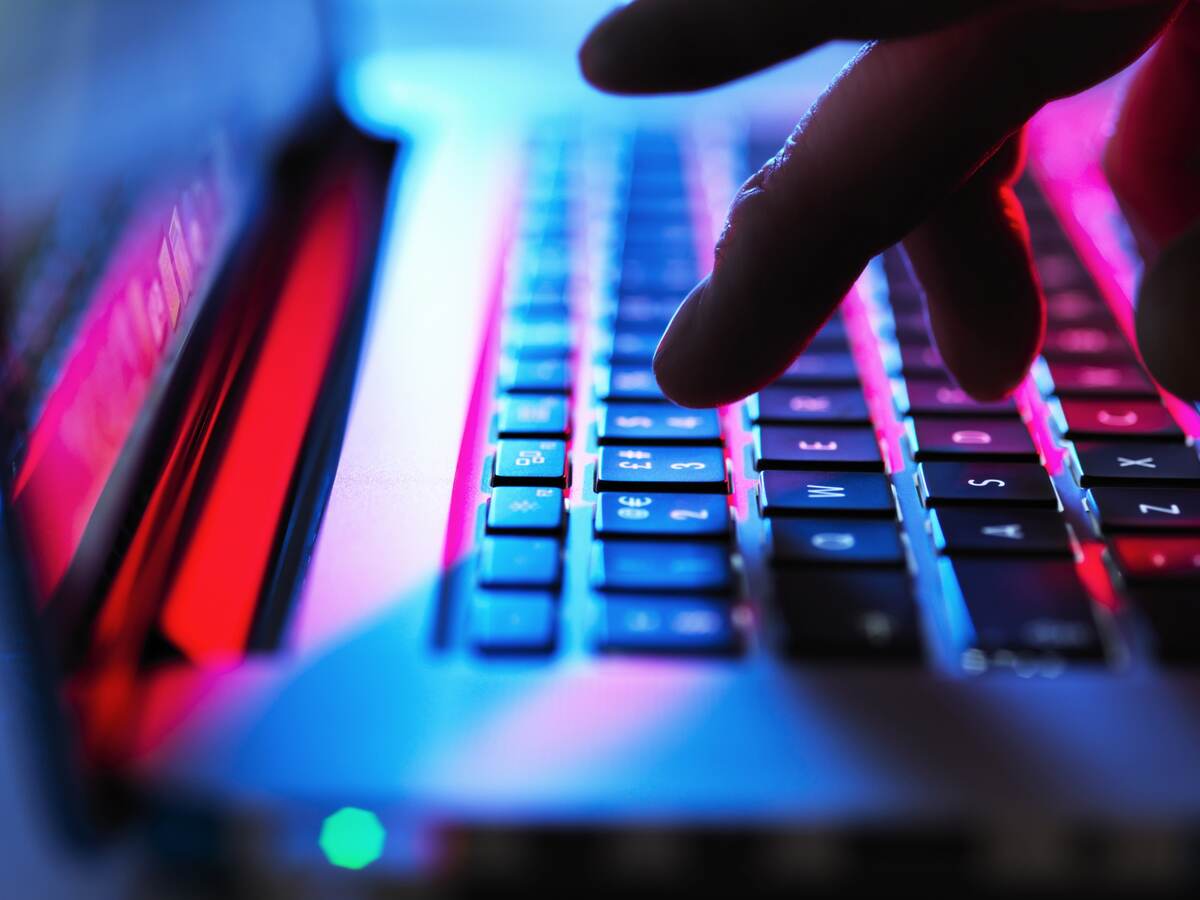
(1060, 525)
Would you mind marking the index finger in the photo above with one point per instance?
(904, 126)
(656, 46)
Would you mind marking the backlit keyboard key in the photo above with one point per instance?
(1076, 307)
(538, 376)
(946, 438)
(537, 339)
(928, 396)
(832, 338)
(1158, 558)
(530, 462)
(692, 516)
(668, 626)
(513, 622)
(1145, 508)
(657, 423)
(525, 509)
(645, 468)
(834, 542)
(863, 494)
(843, 614)
(532, 415)
(1115, 419)
(622, 346)
(920, 361)
(817, 367)
(1031, 608)
(627, 382)
(1015, 532)
(1072, 379)
(1174, 618)
(816, 447)
(519, 562)
(783, 405)
(647, 313)
(1087, 344)
(661, 566)
(1131, 463)
(985, 484)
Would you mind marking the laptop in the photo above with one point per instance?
(357, 548)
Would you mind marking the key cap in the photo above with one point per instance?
(537, 339)
(939, 397)
(783, 405)
(1173, 614)
(863, 494)
(1061, 270)
(816, 447)
(525, 509)
(530, 462)
(817, 367)
(675, 276)
(1074, 307)
(1087, 344)
(1017, 532)
(532, 415)
(829, 613)
(1132, 463)
(668, 626)
(647, 313)
(832, 338)
(519, 562)
(513, 623)
(1144, 508)
(958, 438)
(985, 484)
(1158, 558)
(918, 361)
(654, 566)
(657, 423)
(695, 469)
(528, 375)
(638, 515)
(1026, 608)
(1072, 379)
(834, 542)
(626, 347)
(909, 326)
(627, 382)
(1105, 419)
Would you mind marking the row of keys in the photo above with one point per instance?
(520, 560)
(841, 585)
(660, 556)
(994, 513)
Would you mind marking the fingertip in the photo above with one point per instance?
(1167, 318)
(675, 363)
(597, 59)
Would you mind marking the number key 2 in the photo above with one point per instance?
(662, 515)
(694, 469)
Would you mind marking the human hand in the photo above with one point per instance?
(919, 139)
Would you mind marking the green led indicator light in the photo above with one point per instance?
(352, 838)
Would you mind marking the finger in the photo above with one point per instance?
(903, 127)
(1153, 158)
(1153, 163)
(1168, 315)
(654, 46)
(973, 259)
